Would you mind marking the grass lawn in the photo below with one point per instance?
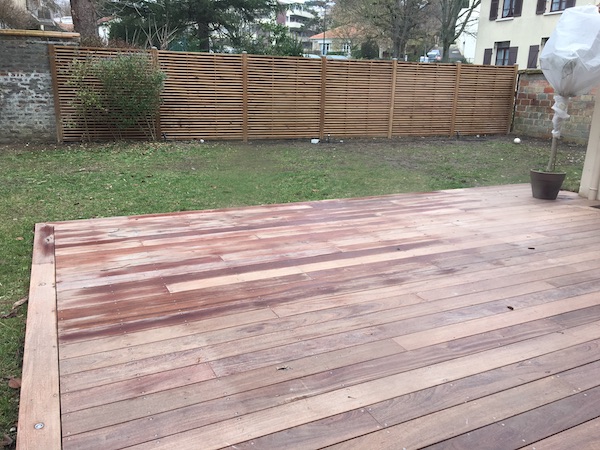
(55, 183)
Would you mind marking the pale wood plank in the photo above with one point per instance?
(585, 437)
(39, 407)
(430, 400)
(261, 423)
(445, 333)
(533, 425)
(469, 416)
(124, 411)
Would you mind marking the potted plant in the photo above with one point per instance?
(570, 61)
(546, 184)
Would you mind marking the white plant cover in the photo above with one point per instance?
(570, 59)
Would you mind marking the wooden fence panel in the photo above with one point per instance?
(284, 95)
(485, 100)
(424, 99)
(203, 96)
(241, 97)
(357, 98)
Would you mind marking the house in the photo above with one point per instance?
(347, 41)
(515, 31)
(338, 40)
(298, 18)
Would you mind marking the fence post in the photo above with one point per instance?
(245, 96)
(157, 121)
(511, 116)
(392, 97)
(57, 110)
(323, 97)
(455, 99)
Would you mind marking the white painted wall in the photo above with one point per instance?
(522, 32)
(590, 178)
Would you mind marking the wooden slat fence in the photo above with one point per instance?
(242, 97)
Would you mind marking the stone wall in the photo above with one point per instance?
(26, 96)
(533, 110)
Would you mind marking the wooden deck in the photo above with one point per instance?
(454, 319)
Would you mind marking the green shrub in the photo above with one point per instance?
(119, 93)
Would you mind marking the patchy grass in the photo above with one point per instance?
(50, 183)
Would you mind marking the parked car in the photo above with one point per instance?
(434, 55)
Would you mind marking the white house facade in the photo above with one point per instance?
(515, 31)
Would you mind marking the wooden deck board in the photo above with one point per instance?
(445, 319)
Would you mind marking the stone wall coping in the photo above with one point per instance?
(39, 33)
(530, 71)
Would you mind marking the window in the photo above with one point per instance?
(508, 8)
(346, 47)
(555, 5)
(502, 53)
(512, 8)
(505, 54)
(325, 47)
(558, 5)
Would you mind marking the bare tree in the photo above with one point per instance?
(453, 17)
(396, 21)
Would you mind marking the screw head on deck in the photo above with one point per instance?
(38, 426)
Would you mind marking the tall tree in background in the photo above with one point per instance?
(202, 17)
(146, 23)
(392, 20)
(85, 20)
(453, 16)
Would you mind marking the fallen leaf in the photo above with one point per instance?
(6, 441)
(13, 311)
(9, 314)
(19, 302)
(20, 238)
(14, 383)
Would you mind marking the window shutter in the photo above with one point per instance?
(494, 10)
(534, 50)
(487, 56)
(518, 8)
(570, 3)
(512, 55)
(541, 7)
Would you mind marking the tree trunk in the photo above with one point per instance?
(446, 50)
(204, 37)
(84, 18)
